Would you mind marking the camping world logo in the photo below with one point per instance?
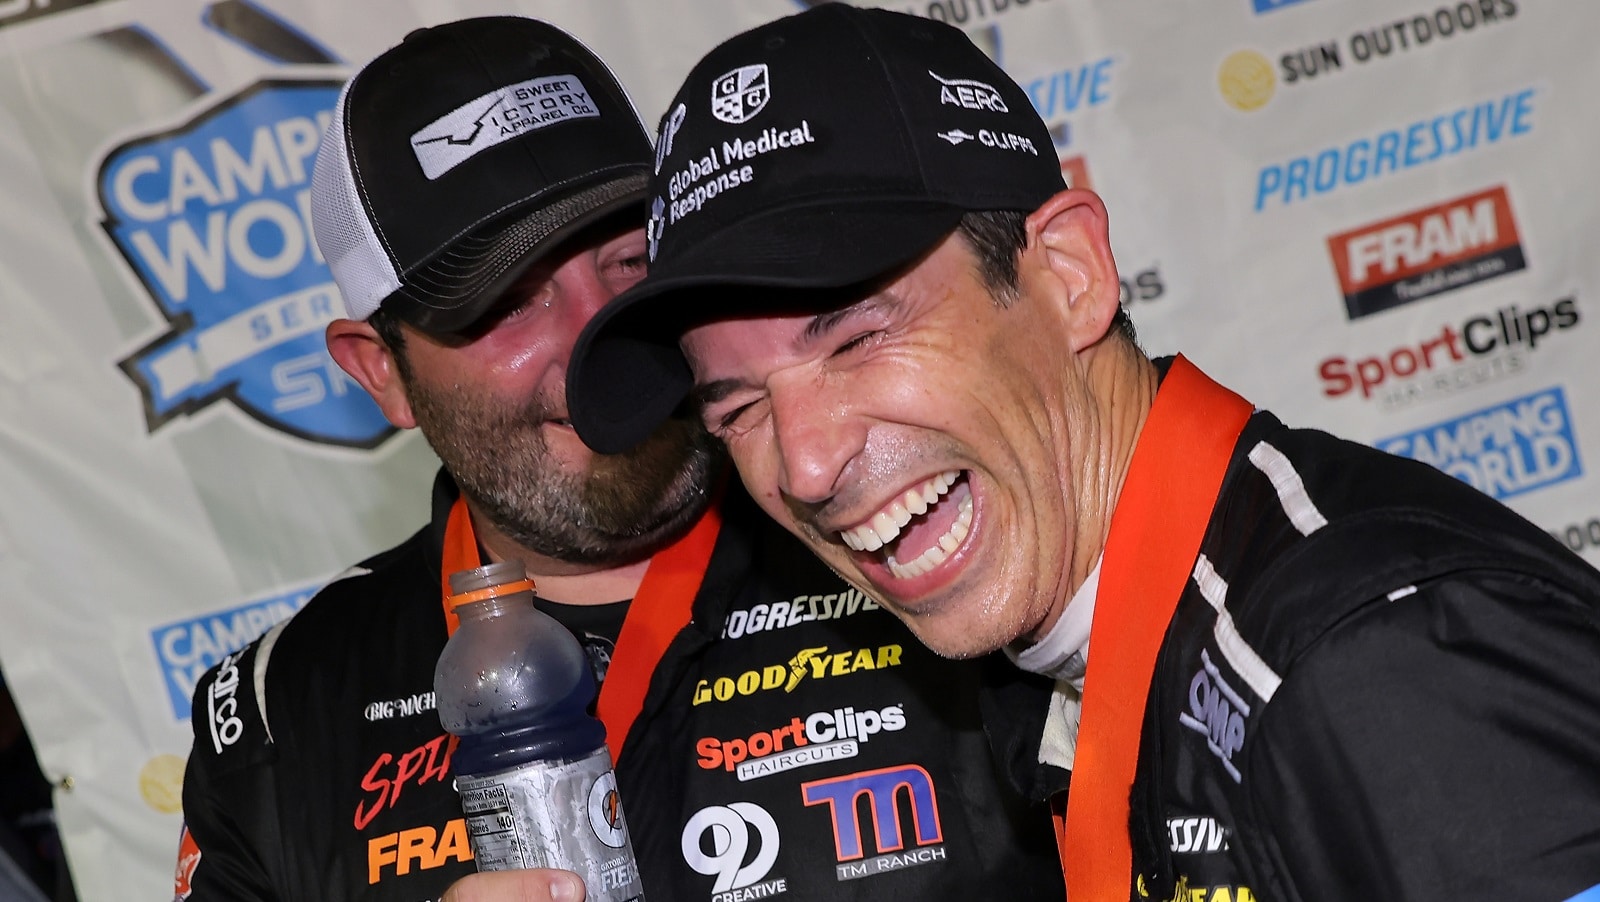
(212, 216)
(1426, 252)
(739, 95)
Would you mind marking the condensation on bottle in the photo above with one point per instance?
(531, 767)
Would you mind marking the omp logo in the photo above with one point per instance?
(969, 94)
(1509, 449)
(800, 609)
(883, 789)
(1197, 835)
(1419, 142)
(222, 702)
(1426, 252)
(817, 663)
(497, 117)
(1217, 713)
(739, 94)
(418, 848)
(737, 843)
(188, 648)
(822, 736)
(212, 216)
(1480, 349)
(389, 774)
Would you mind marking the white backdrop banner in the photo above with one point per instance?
(1364, 214)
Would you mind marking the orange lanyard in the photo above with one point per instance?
(1161, 516)
(661, 608)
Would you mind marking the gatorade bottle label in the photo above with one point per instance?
(557, 814)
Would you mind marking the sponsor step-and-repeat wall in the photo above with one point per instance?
(1372, 216)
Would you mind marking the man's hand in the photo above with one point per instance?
(542, 885)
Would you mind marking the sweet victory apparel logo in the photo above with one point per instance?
(1425, 252)
(496, 118)
(212, 217)
(1508, 449)
(740, 94)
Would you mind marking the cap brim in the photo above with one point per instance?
(456, 287)
(627, 374)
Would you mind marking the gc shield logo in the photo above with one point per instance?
(213, 218)
(738, 95)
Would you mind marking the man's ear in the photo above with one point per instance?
(358, 350)
(1069, 247)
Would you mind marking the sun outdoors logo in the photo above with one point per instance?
(1426, 252)
(213, 218)
(738, 95)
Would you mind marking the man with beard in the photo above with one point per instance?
(479, 195)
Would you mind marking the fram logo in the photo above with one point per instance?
(212, 216)
(884, 789)
(1511, 448)
(1426, 252)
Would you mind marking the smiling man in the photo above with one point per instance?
(1288, 666)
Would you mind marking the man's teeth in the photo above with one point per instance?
(936, 553)
(885, 526)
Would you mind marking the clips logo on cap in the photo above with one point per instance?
(739, 94)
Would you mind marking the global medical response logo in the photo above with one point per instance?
(885, 789)
(213, 218)
(1425, 252)
(1509, 449)
(739, 94)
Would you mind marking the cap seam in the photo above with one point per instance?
(366, 199)
(903, 126)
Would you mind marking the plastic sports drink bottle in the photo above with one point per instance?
(532, 766)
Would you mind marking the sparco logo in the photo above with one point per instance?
(1217, 713)
(1513, 447)
(420, 703)
(1500, 341)
(221, 704)
(212, 217)
(1425, 252)
(737, 843)
(1197, 835)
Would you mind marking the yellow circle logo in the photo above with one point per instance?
(1246, 80)
(161, 783)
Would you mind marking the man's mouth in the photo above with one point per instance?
(919, 530)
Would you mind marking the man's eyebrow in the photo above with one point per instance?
(712, 392)
(822, 323)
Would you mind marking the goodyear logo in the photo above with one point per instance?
(188, 648)
(814, 663)
(1426, 252)
(1511, 448)
(213, 218)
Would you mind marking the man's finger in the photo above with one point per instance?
(541, 885)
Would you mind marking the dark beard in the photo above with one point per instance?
(622, 509)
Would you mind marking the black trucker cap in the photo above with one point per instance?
(818, 151)
(455, 159)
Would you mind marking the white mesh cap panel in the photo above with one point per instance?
(344, 234)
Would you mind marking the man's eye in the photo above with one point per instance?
(718, 424)
(861, 340)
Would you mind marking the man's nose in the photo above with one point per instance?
(817, 436)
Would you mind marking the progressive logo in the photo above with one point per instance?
(1426, 252)
(212, 217)
(1505, 450)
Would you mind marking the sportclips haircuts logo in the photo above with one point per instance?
(213, 218)
(1508, 449)
(1426, 252)
(819, 737)
(1482, 349)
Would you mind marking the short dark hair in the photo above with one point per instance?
(996, 238)
(384, 322)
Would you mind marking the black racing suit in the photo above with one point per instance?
(796, 742)
(1402, 703)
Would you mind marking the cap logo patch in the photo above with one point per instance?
(496, 118)
(739, 94)
(669, 131)
(969, 94)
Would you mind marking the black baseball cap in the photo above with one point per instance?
(458, 157)
(819, 151)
